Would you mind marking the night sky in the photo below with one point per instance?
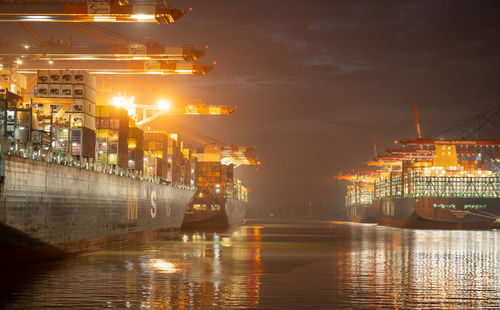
(313, 79)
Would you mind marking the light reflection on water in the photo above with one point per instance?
(277, 266)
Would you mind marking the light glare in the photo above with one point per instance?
(163, 104)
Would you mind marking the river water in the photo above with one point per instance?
(274, 265)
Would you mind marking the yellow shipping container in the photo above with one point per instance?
(103, 110)
(152, 145)
(113, 159)
(132, 143)
(102, 133)
(214, 110)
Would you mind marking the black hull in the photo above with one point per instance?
(361, 214)
(231, 214)
(49, 210)
(423, 213)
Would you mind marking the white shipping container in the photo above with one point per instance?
(54, 90)
(55, 76)
(42, 90)
(43, 76)
(67, 90)
(20, 80)
(83, 77)
(84, 92)
(67, 76)
(90, 108)
(83, 106)
(78, 106)
(5, 76)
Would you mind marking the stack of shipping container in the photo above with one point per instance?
(135, 147)
(17, 125)
(165, 156)
(218, 177)
(112, 135)
(209, 168)
(155, 154)
(174, 158)
(71, 122)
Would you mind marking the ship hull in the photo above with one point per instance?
(53, 210)
(362, 213)
(426, 213)
(231, 214)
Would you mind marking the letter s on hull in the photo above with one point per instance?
(153, 204)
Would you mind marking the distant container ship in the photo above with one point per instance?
(445, 184)
(441, 191)
(221, 200)
(359, 198)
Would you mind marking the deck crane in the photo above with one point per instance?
(88, 11)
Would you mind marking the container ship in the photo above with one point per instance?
(221, 199)
(359, 198)
(80, 175)
(80, 169)
(74, 177)
(441, 184)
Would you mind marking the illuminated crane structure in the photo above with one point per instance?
(121, 55)
(88, 11)
(133, 67)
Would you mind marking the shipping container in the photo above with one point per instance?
(40, 137)
(67, 76)
(67, 90)
(79, 120)
(21, 133)
(115, 130)
(83, 77)
(54, 76)
(135, 143)
(84, 92)
(83, 142)
(54, 90)
(43, 76)
(42, 90)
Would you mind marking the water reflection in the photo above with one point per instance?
(279, 266)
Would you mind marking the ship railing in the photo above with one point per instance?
(28, 150)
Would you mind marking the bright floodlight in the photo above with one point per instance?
(163, 105)
(118, 101)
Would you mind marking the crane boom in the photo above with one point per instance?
(35, 34)
(452, 142)
(417, 123)
(123, 67)
(102, 52)
(88, 11)
(375, 154)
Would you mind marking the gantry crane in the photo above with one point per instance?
(139, 57)
(145, 114)
(95, 52)
(88, 11)
(121, 55)
(158, 67)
